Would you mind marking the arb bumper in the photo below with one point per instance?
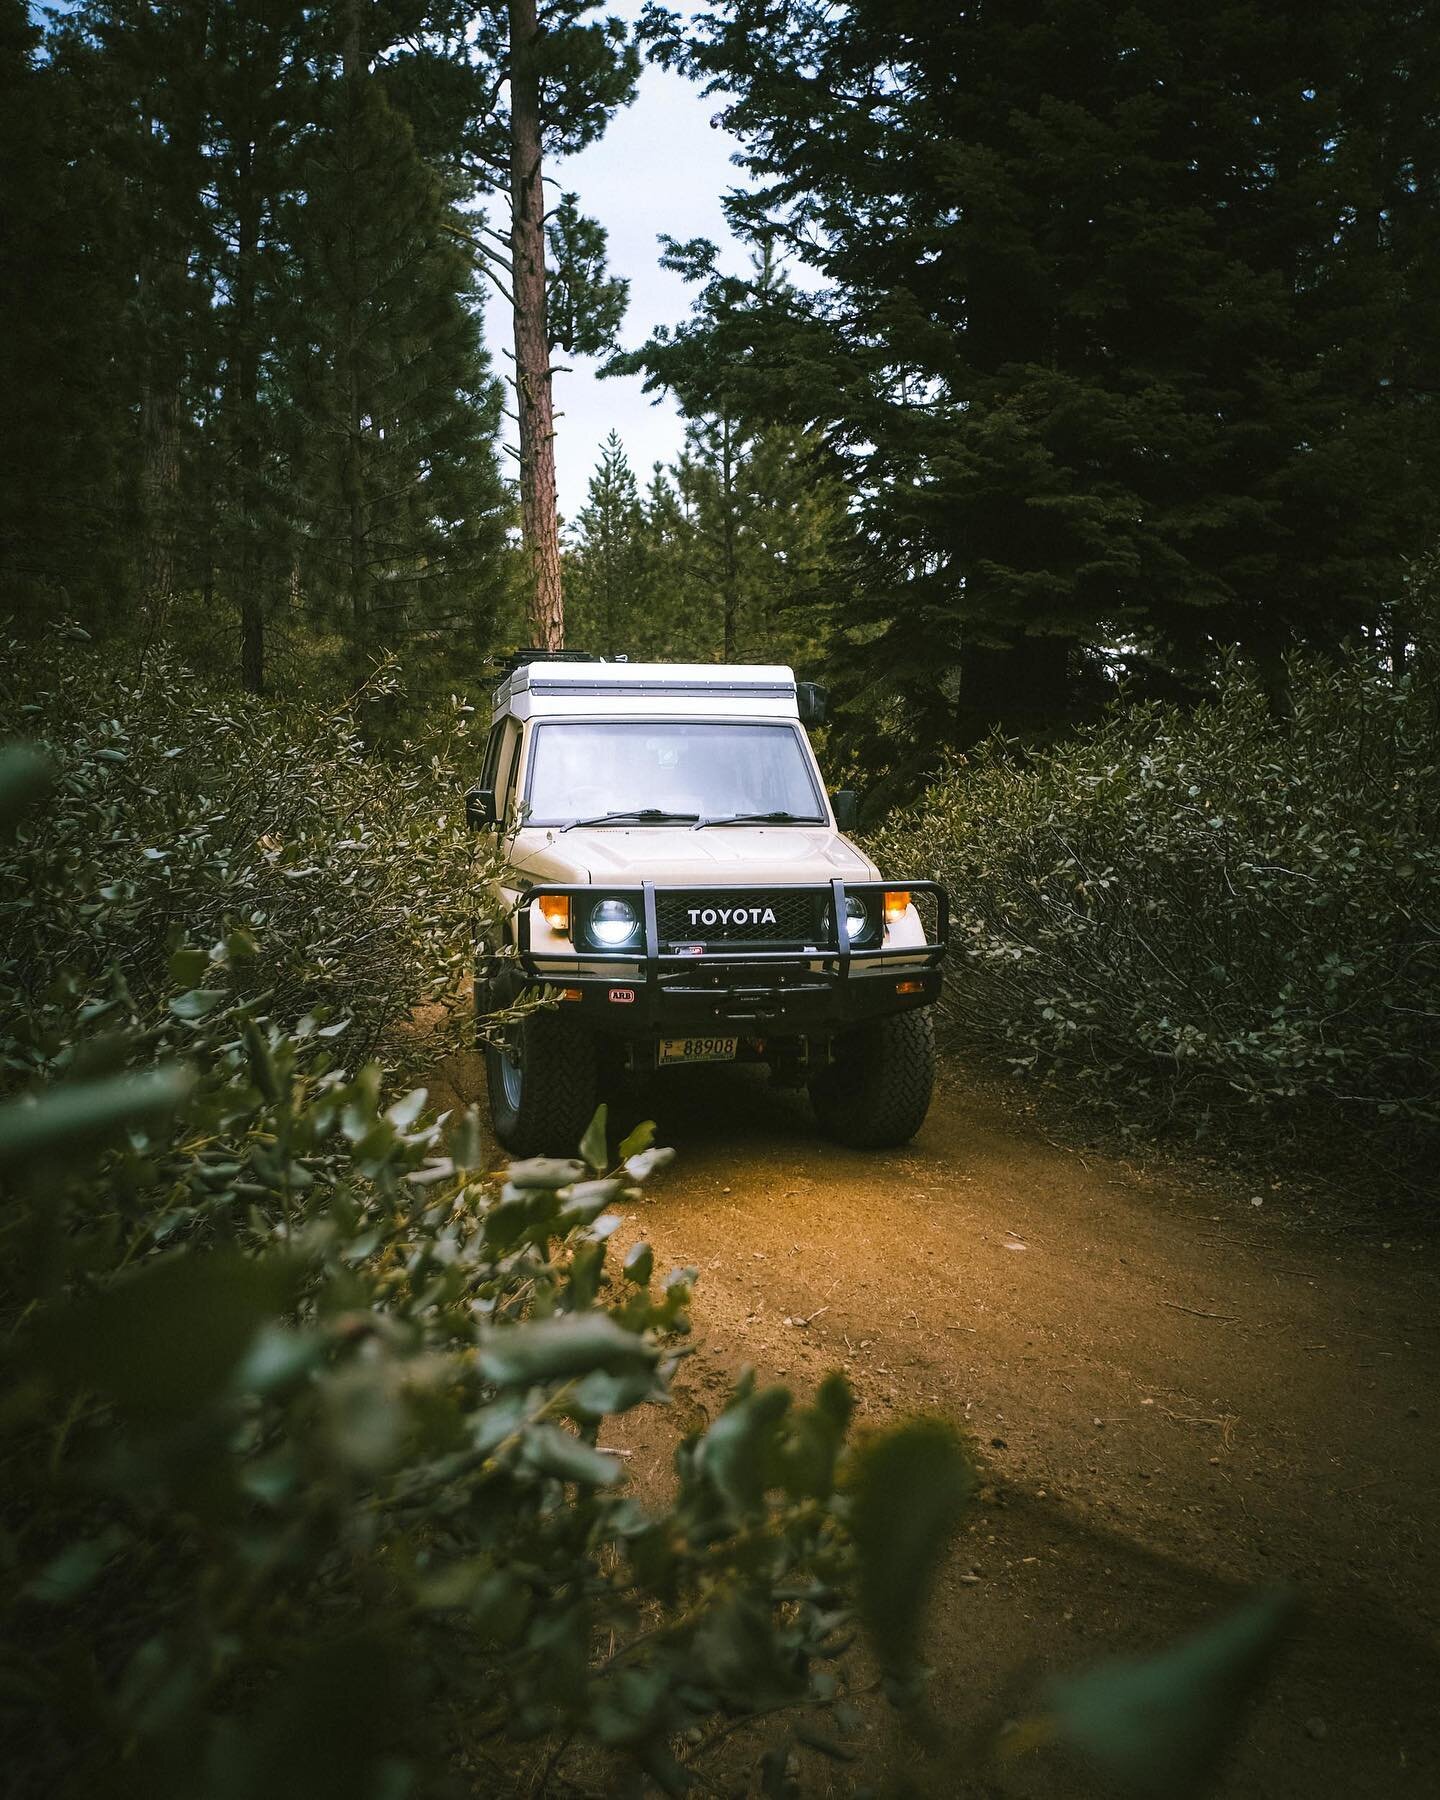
(651, 989)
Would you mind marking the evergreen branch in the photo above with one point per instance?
(481, 250)
(498, 284)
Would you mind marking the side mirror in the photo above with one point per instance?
(846, 805)
(812, 702)
(480, 809)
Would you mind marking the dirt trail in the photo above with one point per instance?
(1178, 1397)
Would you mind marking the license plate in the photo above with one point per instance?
(701, 1050)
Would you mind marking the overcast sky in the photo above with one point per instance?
(661, 167)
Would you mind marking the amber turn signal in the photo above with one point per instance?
(897, 904)
(572, 993)
(555, 911)
(909, 987)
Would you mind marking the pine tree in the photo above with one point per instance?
(607, 564)
(279, 390)
(550, 86)
(67, 347)
(675, 623)
(393, 407)
(1114, 314)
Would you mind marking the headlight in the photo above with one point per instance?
(858, 921)
(613, 923)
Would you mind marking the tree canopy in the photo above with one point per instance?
(1121, 324)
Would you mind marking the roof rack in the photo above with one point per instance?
(511, 660)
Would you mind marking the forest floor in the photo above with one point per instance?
(1182, 1389)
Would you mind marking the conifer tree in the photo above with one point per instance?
(67, 346)
(256, 332)
(393, 407)
(607, 564)
(551, 84)
(1118, 313)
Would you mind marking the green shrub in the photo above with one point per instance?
(321, 878)
(305, 1481)
(1220, 916)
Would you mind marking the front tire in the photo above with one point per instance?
(876, 1092)
(543, 1085)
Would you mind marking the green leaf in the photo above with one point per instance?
(736, 1646)
(594, 1146)
(26, 776)
(586, 1201)
(599, 1394)
(406, 1110)
(465, 1141)
(814, 1441)
(641, 1138)
(197, 1003)
(552, 1349)
(187, 966)
(545, 1172)
(68, 1575)
(736, 1452)
(643, 1165)
(260, 1060)
(550, 1450)
(639, 1264)
(65, 1123)
(277, 1356)
(1161, 1727)
(168, 1338)
(909, 1488)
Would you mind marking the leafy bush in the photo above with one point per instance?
(305, 1487)
(1218, 916)
(320, 878)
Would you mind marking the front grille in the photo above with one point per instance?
(801, 917)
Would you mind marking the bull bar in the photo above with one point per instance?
(835, 960)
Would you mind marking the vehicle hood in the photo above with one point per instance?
(721, 856)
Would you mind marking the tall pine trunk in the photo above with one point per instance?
(159, 484)
(176, 178)
(245, 401)
(353, 70)
(730, 573)
(534, 400)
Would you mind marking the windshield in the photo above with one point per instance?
(592, 767)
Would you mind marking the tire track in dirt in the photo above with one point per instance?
(1178, 1396)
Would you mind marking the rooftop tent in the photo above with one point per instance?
(573, 687)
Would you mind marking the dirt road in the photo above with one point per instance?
(1178, 1397)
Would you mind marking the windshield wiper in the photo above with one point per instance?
(765, 818)
(646, 815)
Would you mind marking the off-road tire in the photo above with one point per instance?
(542, 1104)
(876, 1092)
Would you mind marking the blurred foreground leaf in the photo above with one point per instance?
(522, 1355)
(162, 1342)
(66, 1123)
(1161, 1727)
(909, 1489)
(25, 778)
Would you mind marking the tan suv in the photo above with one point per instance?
(677, 876)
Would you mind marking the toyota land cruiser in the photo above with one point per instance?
(676, 877)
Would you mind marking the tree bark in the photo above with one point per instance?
(533, 396)
(730, 571)
(246, 379)
(159, 482)
(353, 69)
